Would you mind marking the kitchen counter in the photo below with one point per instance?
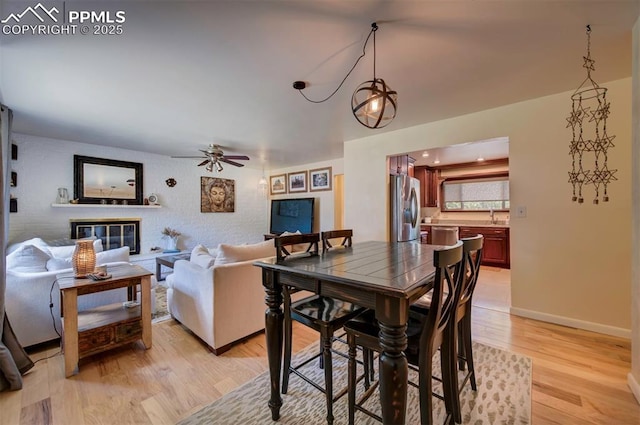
(467, 223)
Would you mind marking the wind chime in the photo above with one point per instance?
(588, 121)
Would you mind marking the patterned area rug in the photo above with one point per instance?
(161, 305)
(503, 396)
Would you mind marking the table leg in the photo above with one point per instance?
(158, 271)
(145, 310)
(70, 332)
(393, 373)
(273, 332)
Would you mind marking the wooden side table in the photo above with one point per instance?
(92, 331)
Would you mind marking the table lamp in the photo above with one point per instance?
(84, 258)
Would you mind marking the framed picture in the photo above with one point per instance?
(320, 179)
(217, 195)
(297, 181)
(102, 181)
(278, 184)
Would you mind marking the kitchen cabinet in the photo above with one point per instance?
(496, 244)
(401, 165)
(428, 186)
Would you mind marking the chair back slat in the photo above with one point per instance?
(345, 234)
(472, 248)
(449, 265)
(281, 242)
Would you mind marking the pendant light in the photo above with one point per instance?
(373, 103)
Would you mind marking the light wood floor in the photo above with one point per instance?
(579, 377)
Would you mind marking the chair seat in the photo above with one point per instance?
(365, 328)
(318, 310)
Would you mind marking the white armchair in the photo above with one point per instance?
(221, 304)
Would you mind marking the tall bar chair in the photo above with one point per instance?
(425, 335)
(472, 251)
(324, 314)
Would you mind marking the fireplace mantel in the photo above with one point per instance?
(145, 207)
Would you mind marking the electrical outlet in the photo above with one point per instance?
(521, 212)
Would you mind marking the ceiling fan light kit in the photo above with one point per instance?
(374, 103)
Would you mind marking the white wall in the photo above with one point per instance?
(324, 200)
(570, 263)
(44, 164)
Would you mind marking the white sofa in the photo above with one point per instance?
(32, 267)
(218, 294)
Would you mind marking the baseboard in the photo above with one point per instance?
(635, 387)
(573, 323)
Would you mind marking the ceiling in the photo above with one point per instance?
(187, 74)
(478, 151)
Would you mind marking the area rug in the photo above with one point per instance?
(161, 312)
(503, 396)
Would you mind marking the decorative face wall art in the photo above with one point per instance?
(217, 195)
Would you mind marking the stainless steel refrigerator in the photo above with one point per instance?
(405, 208)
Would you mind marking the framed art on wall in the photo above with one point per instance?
(278, 184)
(297, 181)
(217, 195)
(320, 179)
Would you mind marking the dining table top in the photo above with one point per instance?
(394, 268)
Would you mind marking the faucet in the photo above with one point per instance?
(492, 215)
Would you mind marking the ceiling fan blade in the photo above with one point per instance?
(237, 157)
(203, 162)
(231, 162)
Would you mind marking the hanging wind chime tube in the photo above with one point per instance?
(591, 142)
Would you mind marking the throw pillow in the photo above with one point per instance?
(67, 250)
(113, 255)
(28, 259)
(59, 264)
(201, 256)
(234, 253)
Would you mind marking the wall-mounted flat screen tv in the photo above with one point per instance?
(290, 215)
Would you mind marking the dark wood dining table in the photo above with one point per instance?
(384, 276)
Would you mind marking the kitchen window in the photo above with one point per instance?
(476, 194)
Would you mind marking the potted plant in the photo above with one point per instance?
(171, 236)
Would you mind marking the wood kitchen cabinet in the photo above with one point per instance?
(401, 164)
(496, 244)
(427, 229)
(428, 186)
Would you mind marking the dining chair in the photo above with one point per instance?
(323, 314)
(426, 333)
(472, 252)
(346, 236)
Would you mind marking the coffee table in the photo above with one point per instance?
(92, 331)
(168, 261)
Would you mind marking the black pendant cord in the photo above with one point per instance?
(302, 85)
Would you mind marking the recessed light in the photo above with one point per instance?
(425, 154)
(480, 159)
(437, 161)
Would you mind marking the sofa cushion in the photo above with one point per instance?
(200, 255)
(67, 250)
(59, 264)
(28, 259)
(113, 255)
(234, 253)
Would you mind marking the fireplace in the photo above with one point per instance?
(114, 232)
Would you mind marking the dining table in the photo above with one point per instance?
(384, 276)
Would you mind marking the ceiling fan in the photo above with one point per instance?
(214, 156)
